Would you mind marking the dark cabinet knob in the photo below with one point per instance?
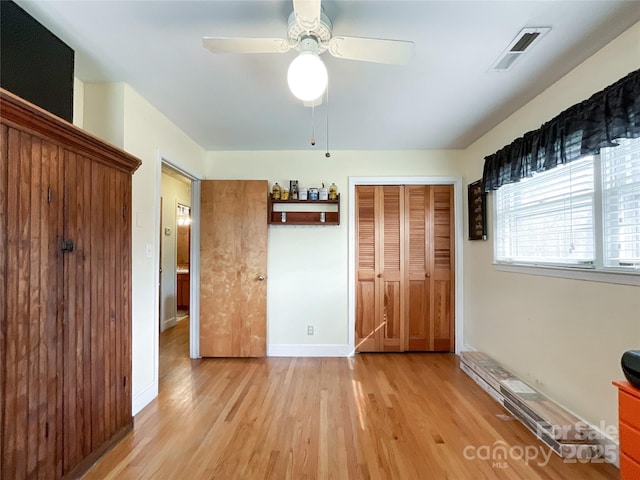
(67, 246)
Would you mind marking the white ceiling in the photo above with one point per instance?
(445, 99)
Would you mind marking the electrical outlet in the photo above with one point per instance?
(309, 329)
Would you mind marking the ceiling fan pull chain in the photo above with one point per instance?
(327, 93)
(313, 126)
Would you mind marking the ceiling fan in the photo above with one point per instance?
(310, 32)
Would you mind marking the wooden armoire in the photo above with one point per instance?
(404, 268)
(65, 298)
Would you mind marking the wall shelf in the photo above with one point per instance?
(303, 212)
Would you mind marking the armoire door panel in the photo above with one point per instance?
(97, 323)
(74, 310)
(30, 232)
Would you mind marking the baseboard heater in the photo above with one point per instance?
(564, 433)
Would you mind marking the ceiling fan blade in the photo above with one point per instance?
(307, 13)
(245, 45)
(377, 50)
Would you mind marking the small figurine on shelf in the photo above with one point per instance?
(333, 192)
(275, 191)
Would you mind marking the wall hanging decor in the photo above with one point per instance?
(477, 211)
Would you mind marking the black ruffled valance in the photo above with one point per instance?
(582, 129)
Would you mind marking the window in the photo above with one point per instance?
(585, 214)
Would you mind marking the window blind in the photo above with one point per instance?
(620, 173)
(548, 218)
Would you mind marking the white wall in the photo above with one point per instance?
(173, 192)
(118, 114)
(307, 265)
(564, 336)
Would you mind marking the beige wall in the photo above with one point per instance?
(563, 336)
(307, 265)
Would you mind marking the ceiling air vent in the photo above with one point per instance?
(518, 46)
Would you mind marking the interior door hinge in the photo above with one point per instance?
(49, 195)
(46, 430)
(124, 381)
(124, 211)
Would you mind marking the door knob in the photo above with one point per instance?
(261, 277)
(379, 275)
(427, 275)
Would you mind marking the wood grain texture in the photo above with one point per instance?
(233, 254)
(404, 268)
(64, 316)
(407, 416)
(28, 117)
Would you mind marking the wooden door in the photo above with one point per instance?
(442, 260)
(379, 269)
(430, 268)
(31, 212)
(233, 268)
(404, 268)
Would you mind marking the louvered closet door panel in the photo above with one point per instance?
(418, 294)
(443, 261)
(391, 206)
(30, 306)
(97, 319)
(366, 263)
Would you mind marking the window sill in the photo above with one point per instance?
(620, 278)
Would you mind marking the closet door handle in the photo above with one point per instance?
(260, 278)
(427, 275)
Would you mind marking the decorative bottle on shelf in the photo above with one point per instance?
(323, 193)
(333, 192)
(275, 191)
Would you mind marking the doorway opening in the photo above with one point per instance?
(175, 265)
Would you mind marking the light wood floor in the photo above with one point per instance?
(385, 416)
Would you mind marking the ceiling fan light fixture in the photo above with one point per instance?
(307, 75)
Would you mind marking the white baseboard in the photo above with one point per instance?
(467, 348)
(309, 350)
(144, 398)
(169, 323)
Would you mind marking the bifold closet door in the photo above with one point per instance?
(430, 267)
(379, 269)
(404, 268)
(31, 212)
